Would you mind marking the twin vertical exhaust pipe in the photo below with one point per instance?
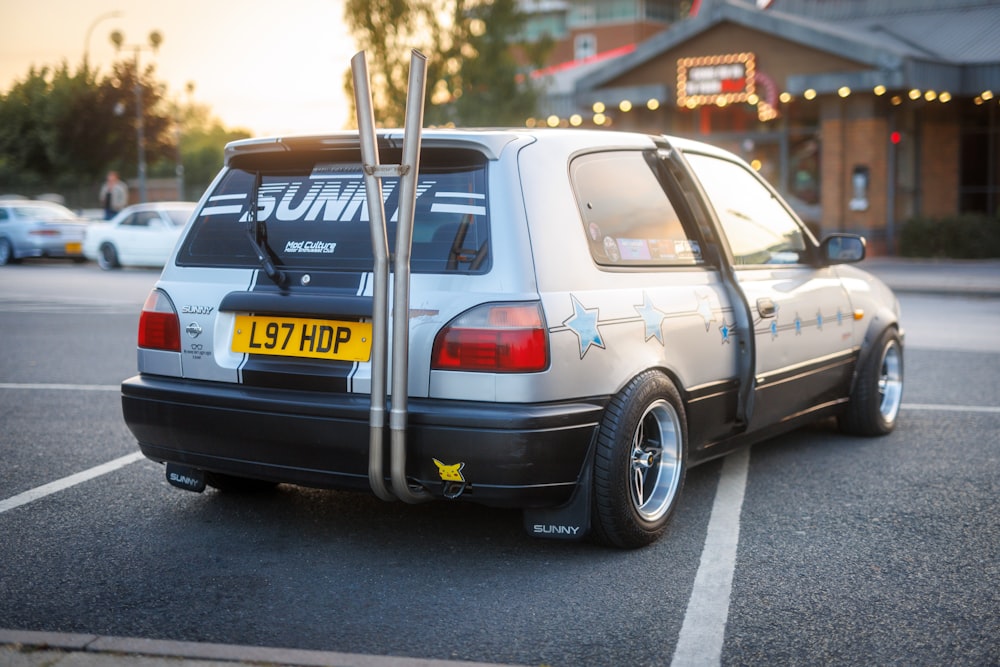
(407, 172)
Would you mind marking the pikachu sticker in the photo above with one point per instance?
(450, 473)
(451, 476)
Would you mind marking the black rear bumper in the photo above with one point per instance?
(513, 455)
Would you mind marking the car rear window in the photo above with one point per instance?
(315, 214)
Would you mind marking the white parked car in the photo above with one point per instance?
(140, 235)
(588, 313)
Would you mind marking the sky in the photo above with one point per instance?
(268, 67)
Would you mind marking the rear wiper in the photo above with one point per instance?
(257, 234)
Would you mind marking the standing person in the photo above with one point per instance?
(114, 195)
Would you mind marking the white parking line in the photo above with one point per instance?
(988, 409)
(74, 387)
(700, 641)
(67, 482)
(701, 636)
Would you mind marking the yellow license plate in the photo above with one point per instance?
(74, 248)
(298, 337)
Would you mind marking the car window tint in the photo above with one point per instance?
(316, 216)
(759, 229)
(146, 219)
(628, 217)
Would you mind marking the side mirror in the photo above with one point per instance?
(843, 248)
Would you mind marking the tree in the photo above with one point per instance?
(22, 128)
(118, 94)
(489, 89)
(202, 143)
(472, 79)
(61, 128)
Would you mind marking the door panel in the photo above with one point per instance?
(802, 318)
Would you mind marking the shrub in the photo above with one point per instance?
(966, 236)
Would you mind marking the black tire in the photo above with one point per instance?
(873, 408)
(107, 257)
(7, 253)
(640, 463)
(232, 484)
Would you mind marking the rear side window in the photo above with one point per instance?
(315, 215)
(629, 219)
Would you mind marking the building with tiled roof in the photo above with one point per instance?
(865, 114)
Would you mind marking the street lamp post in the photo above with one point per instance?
(155, 39)
(86, 42)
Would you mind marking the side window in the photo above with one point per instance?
(148, 219)
(3, 215)
(628, 217)
(759, 229)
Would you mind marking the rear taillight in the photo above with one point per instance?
(159, 326)
(498, 338)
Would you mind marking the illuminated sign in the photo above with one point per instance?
(718, 80)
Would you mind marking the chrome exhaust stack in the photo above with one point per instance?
(407, 174)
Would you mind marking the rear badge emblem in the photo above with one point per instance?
(194, 330)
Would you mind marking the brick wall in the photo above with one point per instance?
(854, 136)
(939, 165)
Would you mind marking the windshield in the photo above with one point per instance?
(316, 216)
(46, 211)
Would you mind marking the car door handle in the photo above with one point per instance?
(766, 307)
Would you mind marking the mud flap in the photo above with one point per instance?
(570, 521)
(189, 479)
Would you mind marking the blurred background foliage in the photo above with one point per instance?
(968, 236)
(62, 130)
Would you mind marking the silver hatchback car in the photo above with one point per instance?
(586, 315)
(35, 228)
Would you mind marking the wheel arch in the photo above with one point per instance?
(883, 320)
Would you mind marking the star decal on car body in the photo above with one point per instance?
(705, 310)
(728, 331)
(583, 323)
(652, 317)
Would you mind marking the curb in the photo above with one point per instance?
(34, 648)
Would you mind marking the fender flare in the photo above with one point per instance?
(883, 319)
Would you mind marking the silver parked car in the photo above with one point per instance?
(587, 314)
(34, 228)
(139, 235)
